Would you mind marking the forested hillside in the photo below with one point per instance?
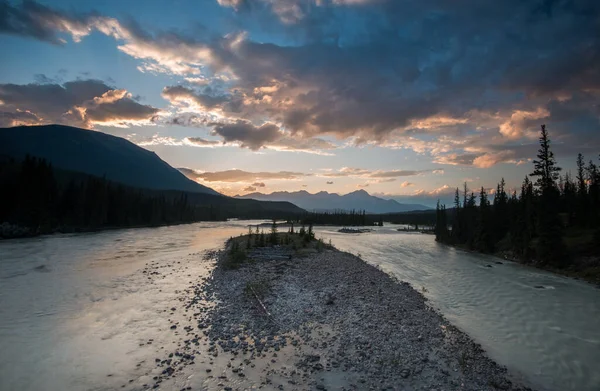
(554, 220)
(38, 198)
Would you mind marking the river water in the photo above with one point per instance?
(77, 312)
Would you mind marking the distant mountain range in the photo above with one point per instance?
(97, 154)
(324, 201)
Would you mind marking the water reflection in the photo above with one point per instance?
(77, 311)
(540, 324)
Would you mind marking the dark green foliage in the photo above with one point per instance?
(484, 239)
(550, 247)
(500, 213)
(441, 224)
(302, 232)
(523, 224)
(44, 199)
(43, 203)
(341, 217)
(530, 224)
(236, 255)
(273, 236)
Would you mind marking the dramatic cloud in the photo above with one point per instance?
(37, 21)
(485, 72)
(248, 135)
(249, 189)
(258, 184)
(240, 175)
(380, 175)
(204, 101)
(81, 103)
(200, 142)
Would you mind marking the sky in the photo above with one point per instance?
(404, 99)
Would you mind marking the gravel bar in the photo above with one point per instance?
(321, 321)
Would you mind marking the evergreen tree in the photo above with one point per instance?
(456, 223)
(582, 208)
(273, 237)
(484, 240)
(550, 247)
(441, 224)
(501, 222)
(302, 231)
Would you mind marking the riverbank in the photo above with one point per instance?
(317, 318)
(583, 267)
(14, 231)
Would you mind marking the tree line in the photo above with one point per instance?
(33, 197)
(530, 223)
(338, 217)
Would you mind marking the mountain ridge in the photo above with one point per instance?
(325, 201)
(96, 153)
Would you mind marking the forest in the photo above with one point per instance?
(554, 220)
(37, 198)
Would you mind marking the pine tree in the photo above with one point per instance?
(457, 223)
(441, 224)
(273, 237)
(484, 241)
(582, 209)
(550, 247)
(501, 217)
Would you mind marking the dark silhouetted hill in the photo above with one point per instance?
(97, 154)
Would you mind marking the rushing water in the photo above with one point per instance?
(78, 313)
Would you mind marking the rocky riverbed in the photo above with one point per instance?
(315, 320)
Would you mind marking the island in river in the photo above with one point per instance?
(285, 311)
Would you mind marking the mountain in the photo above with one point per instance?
(97, 154)
(324, 201)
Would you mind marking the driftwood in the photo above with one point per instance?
(262, 306)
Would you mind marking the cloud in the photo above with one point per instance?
(248, 135)
(204, 101)
(381, 175)
(258, 184)
(386, 81)
(249, 189)
(488, 160)
(521, 121)
(395, 173)
(240, 175)
(406, 184)
(200, 142)
(83, 103)
(157, 139)
(329, 182)
(31, 19)
(288, 11)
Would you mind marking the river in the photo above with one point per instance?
(77, 312)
